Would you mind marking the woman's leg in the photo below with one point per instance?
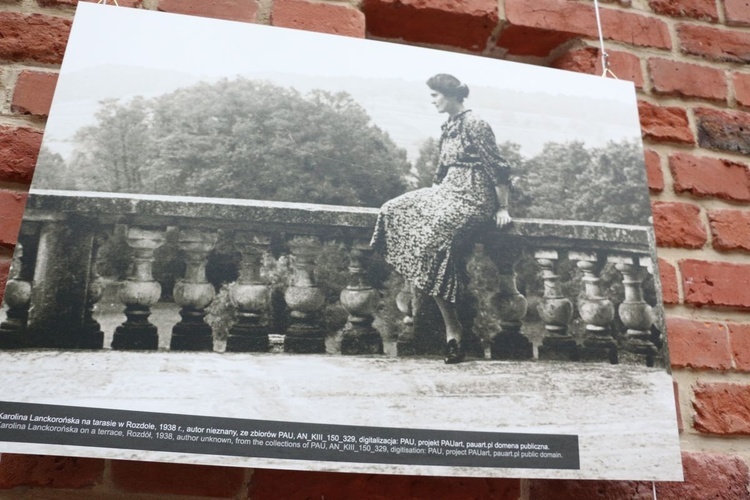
(453, 331)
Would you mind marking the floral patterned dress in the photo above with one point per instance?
(424, 233)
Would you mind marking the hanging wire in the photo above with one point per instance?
(653, 486)
(605, 57)
(104, 2)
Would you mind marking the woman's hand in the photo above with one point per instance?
(502, 218)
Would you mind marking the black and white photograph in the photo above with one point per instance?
(264, 247)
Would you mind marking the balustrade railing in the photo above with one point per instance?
(54, 285)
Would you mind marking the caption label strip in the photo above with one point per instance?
(135, 430)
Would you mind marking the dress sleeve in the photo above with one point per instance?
(481, 140)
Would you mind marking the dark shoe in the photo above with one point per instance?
(453, 352)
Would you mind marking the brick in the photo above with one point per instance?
(12, 204)
(176, 479)
(5, 262)
(467, 24)
(678, 225)
(19, 148)
(33, 93)
(723, 131)
(741, 84)
(739, 342)
(524, 41)
(580, 19)
(701, 176)
(716, 283)
(626, 66)
(49, 471)
(320, 17)
(704, 10)
(232, 10)
(653, 171)
(730, 229)
(722, 408)
(121, 3)
(701, 345)
(718, 477)
(557, 489)
(33, 37)
(714, 43)
(688, 80)
(664, 124)
(737, 12)
(669, 290)
(273, 484)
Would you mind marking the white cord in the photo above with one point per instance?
(605, 56)
(653, 486)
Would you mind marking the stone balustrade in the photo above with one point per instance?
(54, 285)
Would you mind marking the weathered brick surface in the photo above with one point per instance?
(121, 3)
(739, 341)
(716, 283)
(467, 24)
(33, 37)
(5, 261)
(708, 476)
(678, 225)
(714, 43)
(741, 84)
(19, 148)
(737, 12)
(233, 10)
(697, 9)
(710, 177)
(668, 275)
(580, 19)
(49, 471)
(525, 41)
(12, 204)
(722, 408)
(626, 66)
(688, 80)
(293, 485)
(664, 123)
(555, 489)
(321, 17)
(723, 131)
(33, 92)
(701, 345)
(730, 229)
(176, 479)
(653, 171)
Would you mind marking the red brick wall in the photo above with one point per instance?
(688, 59)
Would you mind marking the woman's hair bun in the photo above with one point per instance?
(449, 86)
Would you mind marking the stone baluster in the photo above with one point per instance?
(406, 343)
(251, 296)
(509, 343)
(92, 332)
(556, 312)
(13, 333)
(635, 313)
(360, 300)
(194, 293)
(305, 333)
(139, 292)
(596, 310)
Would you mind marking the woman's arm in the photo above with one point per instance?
(502, 217)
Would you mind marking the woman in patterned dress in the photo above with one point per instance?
(421, 232)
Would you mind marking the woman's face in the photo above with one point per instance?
(442, 103)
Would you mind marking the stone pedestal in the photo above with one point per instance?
(305, 334)
(596, 310)
(634, 312)
(556, 312)
(194, 293)
(406, 344)
(139, 292)
(251, 296)
(13, 334)
(360, 300)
